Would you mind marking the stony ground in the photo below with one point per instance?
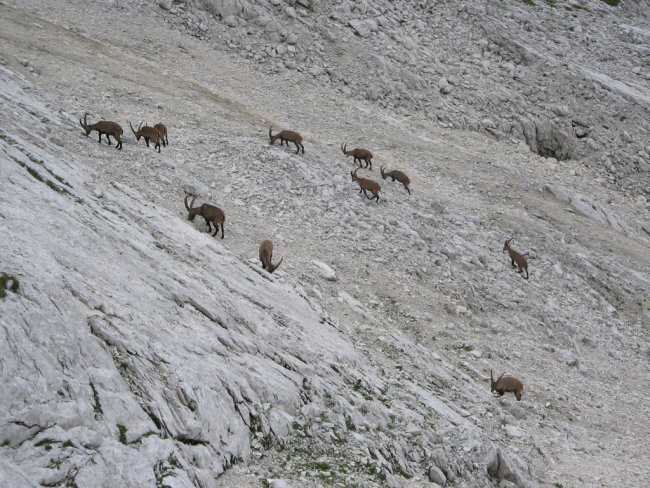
(423, 292)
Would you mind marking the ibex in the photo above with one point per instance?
(162, 130)
(397, 175)
(503, 385)
(266, 256)
(517, 258)
(366, 185)
(149, 134)
(359, 155)
(104, 127)
(210, 213)
(288, 136)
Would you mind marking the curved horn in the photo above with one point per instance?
(491, 377)
(382, 172)
(270, 134)
(84, 124)
(273, 268)
(132, 129)
(140, 126)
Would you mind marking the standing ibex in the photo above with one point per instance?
(358, 155)
(210, 213)
(517, 258)
(162, 130)
(503, 385)
(104, 127)
(288, 136)
(366, 185)
(397, 175)
(266, 256)
(149, 134)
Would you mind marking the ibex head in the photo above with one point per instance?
(137, 134)
(493, 384)
(192, 211)
(85, 124)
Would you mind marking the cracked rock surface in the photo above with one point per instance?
(137, 350)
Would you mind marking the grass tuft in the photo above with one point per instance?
(8, 282)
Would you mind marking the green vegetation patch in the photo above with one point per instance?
(123, 430)
(612, 3)
(46, 443)
(8, 282)
(165, 469)
(97, 406)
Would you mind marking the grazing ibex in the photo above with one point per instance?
(149, 134)
(359, 155)
(397, 175)
(210, 213)
(288, 136)
(162, 130)
(507, 384)
(517, 258)
(104, 127)
(366, 185)
(266, 256)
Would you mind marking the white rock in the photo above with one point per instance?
(437, 476)
(231, 21)
(325, 271)
(444, 86)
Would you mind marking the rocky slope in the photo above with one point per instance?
(150, 353)
(571, 78)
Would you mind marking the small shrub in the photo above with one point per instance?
(97, 406)
(46, 443)
(123, 431)
(612, 3)
(8, 282)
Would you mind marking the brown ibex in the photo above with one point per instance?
(366, 185)
(148, 133)
(288, 136)
(104, 127)
(162, 130)
(266, 256)
(210, 213)
(397, 175)
(359, 155)
(507, 384)
(517, 258)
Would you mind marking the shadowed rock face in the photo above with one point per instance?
(546, 139)
(461, 62)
